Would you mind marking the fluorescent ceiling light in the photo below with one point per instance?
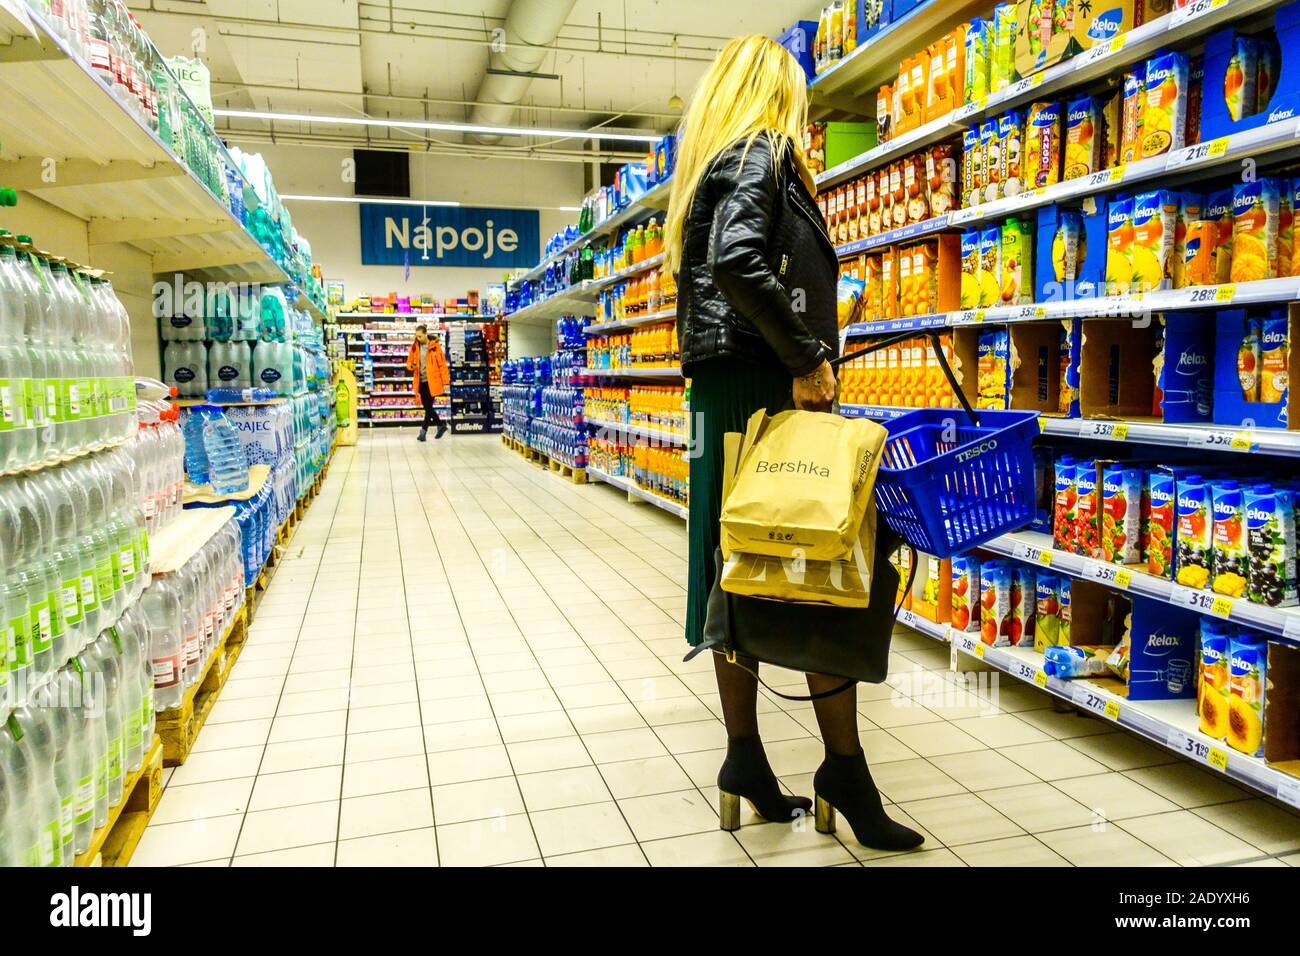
(443, 127)
(372, 199)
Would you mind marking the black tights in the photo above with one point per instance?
(430, 413)
(837, 715)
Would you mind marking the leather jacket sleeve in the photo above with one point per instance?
(738, 256)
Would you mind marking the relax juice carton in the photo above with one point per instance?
(995, 603)
(1195, 532)
(1063, 584)
(990, 266)
(972, 167)
(1017, 262)
(1255, 212)
(1065, 509)
(1195, 79)
(1002, 69)
(1082, 137)
(1042, 146)
(1164, 116)
(1292, 267)
(1214, 687)
(1218, 210)
(993, 365)
(1190, 206)
(1240, 78)
(965, 592)
(1162, 522)
(978, 36)
(994, 168)
(1274, 374)
(1011, 128)
(1131, 110)
(1271, 543)
(1285, 229)
(1230, 562)
(1121, 513)
(1024, 606)
(1119, 252)
(1248, 680)
(1155, 216)
(1088, 510)
(970, 269)
(1047, 611)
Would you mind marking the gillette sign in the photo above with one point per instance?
(459, 236)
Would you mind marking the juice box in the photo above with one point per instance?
(1130, 131)
(1047, 619)
(978, 35)
(1248, 679)
(1065, 506)
(905, 283)
(995, 603)
(935, 601)
(1121, 513)
(1002, 70)
(1271, 540)
(1248, 358)
(1292, 268)
(972, 167)
(970, 269)
(993, 362)
(1255, 210)
(1063, 584)
(1214, 687)
(1189, 212)
(1273, 371)
(1011, 128)
(1065, 392)
(1119, 252)
(1285, 229)
(990, 266)
(1042, 146)
(1017, 262)
(1024, 605)
(940, 171)
(1230, 559)
(1087, 519)
(991, 145)
(965, 592)
(1200, 255)
(1069, 246)
(1112, 109)
(1155, 216)
(1164, 114)
(1239, 80)
(1082, 137)
(1218, 209)
(1195, 77)
(1195, 532)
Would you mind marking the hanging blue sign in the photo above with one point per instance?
(461, 236)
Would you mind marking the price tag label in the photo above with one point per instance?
(1117, 431)
(1042, 424)
(1040, 678)
(978, 650)
(1106, 177)
(1089, 699)
(1223, 441)
(1123, 578)
(973, 108)
(1028, 552)
(1197, 600)
(1199, 153)
(959, 216)
(1221, 606)
(1218, 759)
(1110, 574)
(1032, 312)
(1100, 52)
(1021, 87)
(1111, 709)
(1291, 627)
(1195, 9)
(1225, 293)
(1288, 791)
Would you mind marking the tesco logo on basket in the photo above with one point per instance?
(980, 449)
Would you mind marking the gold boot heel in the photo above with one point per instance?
(728, 810)
(824, 815)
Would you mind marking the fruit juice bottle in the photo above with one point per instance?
(916, 376)
(652, 297)
(654, 238)
(893, 375)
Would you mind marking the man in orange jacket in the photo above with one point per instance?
(428, 367)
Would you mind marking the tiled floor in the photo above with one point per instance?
(466, 660)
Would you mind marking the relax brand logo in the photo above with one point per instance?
(1285, 112)
(1190, 361)
(792, 468)
(1257, 517)
(1164, 640)
(72, 910)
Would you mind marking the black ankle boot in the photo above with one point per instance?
(746, 773)
(844, 783)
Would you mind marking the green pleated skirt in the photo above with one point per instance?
(725, 392)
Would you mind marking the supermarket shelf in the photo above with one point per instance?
(307, 305)
(595, 286)
(657, 435)
(902, 234)
(1035, 548)
(850, 85)
(884, 412)
(113, 172)
(412, 317)
(924, 625)
(632, 488)
(1100, 61)
(635, 322)
(651, 373)
(1170, 723)
(579, 299)
(912, 323)
(1264, 441)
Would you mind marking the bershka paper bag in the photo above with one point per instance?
(802, 487)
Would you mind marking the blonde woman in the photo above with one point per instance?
(756, 315)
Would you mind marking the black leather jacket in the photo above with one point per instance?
(758, 274)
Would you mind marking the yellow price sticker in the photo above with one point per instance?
(1123, 578)
(1042, 424)
(1243, 442)
(1222, 607)
(1217, 759)
(1045, 558)
(1120, 432)
(1225, 293)
(1040, 678)
(979, 316)
(1112, 709)
(1219, 146)
(979, 650)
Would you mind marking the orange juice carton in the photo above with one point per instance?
(1240, 78)
(935, 601)
(994, 167)
(1218, 210)
(1119, 252)
(1228, 563)
(1285, 228)
(1002, 68)
(1274, 346)
(885, 113)
(941, 176)
(1190, 206)
(1042, 147)
(1248, 680)
(1131, 110)
(1047, 610)
(1195, 532)
(888, 284)
(1255, 213)
(1121, 513)
(920, 83)
(1024, 606)
(1155, 217)
(1199, 253)
(965, 592)
(979, 35)
(990, 250)
(1270, 545)
(916, 187)
(1164, 115)
(1110, 128)
(1011, 127)
(970, 269)
(1214, 687)
(906, 291)
(1017, 281)
(993, 368)
(1082, 137)
(995, 603)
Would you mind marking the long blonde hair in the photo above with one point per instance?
(753, 88)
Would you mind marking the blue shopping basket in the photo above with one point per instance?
(951, 479)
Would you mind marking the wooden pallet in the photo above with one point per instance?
(113, 844)
(180, 728)
(576, 475)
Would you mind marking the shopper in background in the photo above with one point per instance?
(756, 279)
(429, 367)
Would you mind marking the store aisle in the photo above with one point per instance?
(513, 648)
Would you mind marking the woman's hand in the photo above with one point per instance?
(815, 392)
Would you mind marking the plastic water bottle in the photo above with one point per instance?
(16, 440)
(48, 725)
(227, 465)
(73, 693)
(102, 658)
(162, 612)
(33, 784)
(230, 396)
(230, 365)
(247, 325)
(43, 577)
(196, 453)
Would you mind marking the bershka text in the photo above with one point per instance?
(792, 468)
(74, 909)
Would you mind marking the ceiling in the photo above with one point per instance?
(614, 63)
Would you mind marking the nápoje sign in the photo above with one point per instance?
(464, 237)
